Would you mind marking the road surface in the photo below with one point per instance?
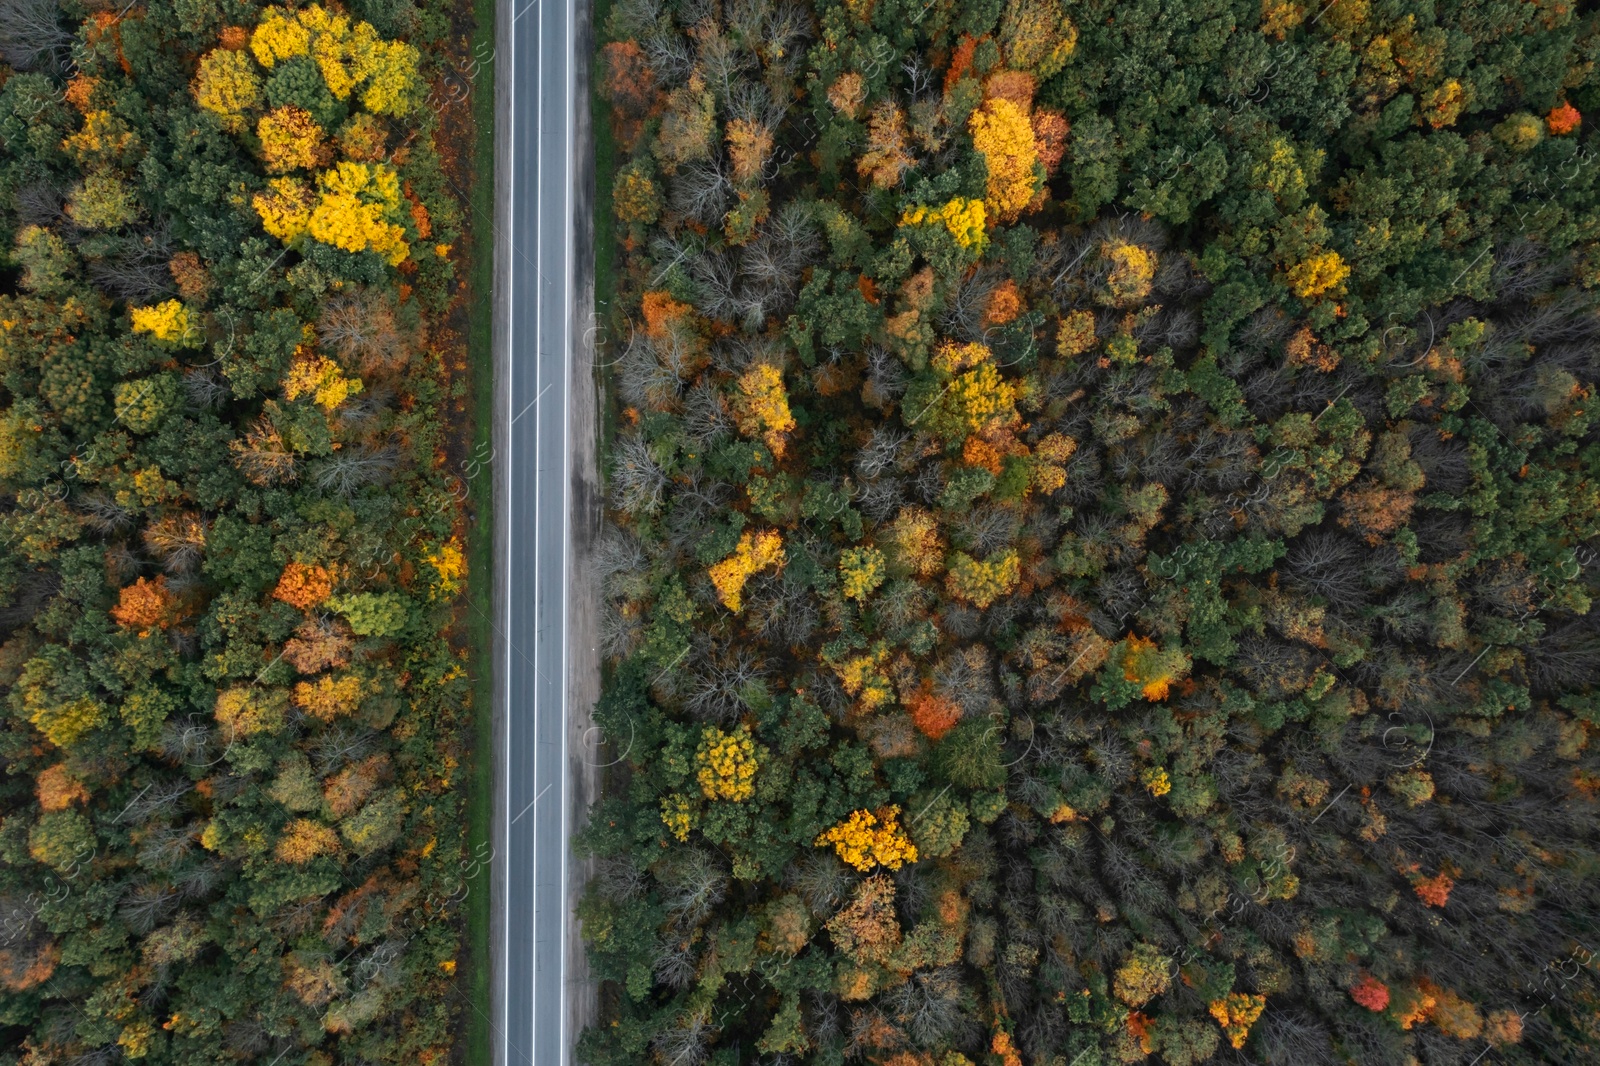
(546, 511)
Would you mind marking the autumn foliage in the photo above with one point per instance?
(145, 605)
(290, 140)
(1236, 1013)
(1433, 891)
(761, 406)
(726, 765)
(868, 839)
(232, 336)
(754, 553)
(866, 930)
(933, 715)
(1152, 449)
(303, 586)
(58, 788)
(304, 840)
(1371, 993)
(1003, 136)
(1563, 119)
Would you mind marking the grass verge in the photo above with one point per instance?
(480, 560)
(605, 167)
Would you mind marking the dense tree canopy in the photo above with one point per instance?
(230, 823)
(1105, 510)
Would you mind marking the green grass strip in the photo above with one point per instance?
(480, 559)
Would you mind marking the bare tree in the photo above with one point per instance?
(987, 529)
(701, 191)
(1324, 563)
(261, 454)
(361, 328)
(686, 1044)
(635, 18)
(675, 963)
(881, 451)
(205, 388)
(880, 499)
(637, 482)
(32, 36)
(705, 415)
(724, 64)
(963, 319)
(147, 906)
(166, 848)
(930, 1005)
(104, 514)
(179, 541)
(137, 270)
(717, 692)
(39, 204)
(618, 552)
(352, 469)
(669, 54)
(340, 745)
(693, 884)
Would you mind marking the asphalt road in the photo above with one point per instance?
(536, 180)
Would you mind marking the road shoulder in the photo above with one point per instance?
(501, 312)
(587, 495)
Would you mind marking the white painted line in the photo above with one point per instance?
(511, 322)
(566, 528)
(530, 404)
(529, 807)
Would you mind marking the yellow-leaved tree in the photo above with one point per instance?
(285, 209)
(349, 55)
(871, 838)
(754, 552)
(1143, 976)
(971, 402)
(1003, 134)
(320, 378)
(863, 676)
(290, 140)
(1151, 667)
(725, 764)
(678, 815)
(1037, 36)
(761, 406)
(860, 571)
(1317, 275)
(915, 544)
(1129, 273)
(966, 220)
(981, 583)
(1237, 1012)
(227, 84)
(169, 322)
(358, 208)
(304, 839)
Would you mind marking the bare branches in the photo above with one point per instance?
(637, 482)
(32, 35)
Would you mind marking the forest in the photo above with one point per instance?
(232, 531)
(1103, 525)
